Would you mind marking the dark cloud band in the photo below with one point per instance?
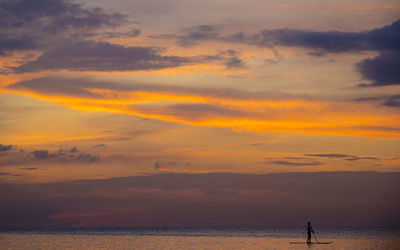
(381, 70)
(40, 24)
(197, 199)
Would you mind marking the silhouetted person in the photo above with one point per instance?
(309, 231)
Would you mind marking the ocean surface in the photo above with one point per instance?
(191, 238)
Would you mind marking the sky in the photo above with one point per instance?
(199, 113)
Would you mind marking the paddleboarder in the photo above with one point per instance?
(309, 231)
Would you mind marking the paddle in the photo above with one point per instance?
(315, 236)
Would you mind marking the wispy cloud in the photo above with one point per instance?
(103, 56)
(292, 163)
(44, 156)
(344, 157)
(329, 155)
(62, 155)
(4, 148)
(380, 70)
(41, 24)
(9, 174)
(237, 109)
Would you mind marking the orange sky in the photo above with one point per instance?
(203, 97)
(199, 113)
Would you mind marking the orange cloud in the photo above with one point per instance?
(238, 110)
(178, 149)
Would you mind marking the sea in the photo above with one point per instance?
(198, 238)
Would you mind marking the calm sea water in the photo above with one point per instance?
(227, 238)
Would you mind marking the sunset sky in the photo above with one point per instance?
(199, 113)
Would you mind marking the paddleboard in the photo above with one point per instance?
(297, 242)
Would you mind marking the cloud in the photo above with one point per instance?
(21, 43)
(132, 33)
(39, 24)
(282, 199)
(29, 168)
(388, 101)
(344, 157)
(4, 148)
(87, 158)
(193, 112)
(381, 70)
(26, 11)
(99, 145)
(231, 59)
(276, 59)
(385, 38)
(166, 166)
(81, 87)
(9, 174)
(291, 163)
(61, 155)
(366, 99)
(198, 33)
(43, 154)
(235, 63)
(226, 107)
(62, 30)
(329, 155)
(297, 158)
(393, 101)
(65, 86)
(356, 158)
(192, 35)
(382, 39)
(157, 165)
(103, 56)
